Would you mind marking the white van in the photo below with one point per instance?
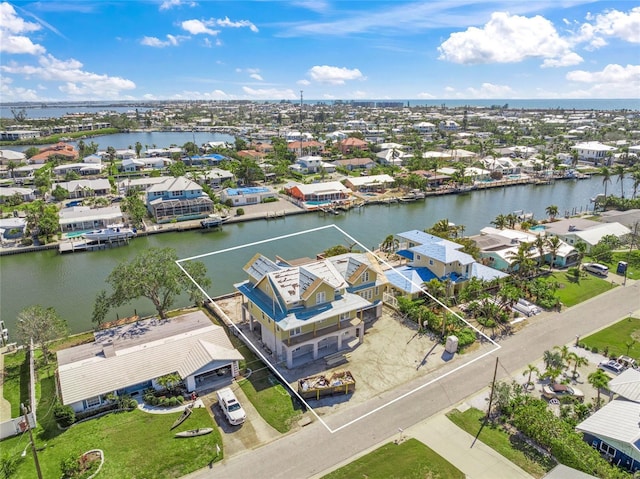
(526, 307)
(596, 268)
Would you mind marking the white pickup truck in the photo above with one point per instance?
(230, 406)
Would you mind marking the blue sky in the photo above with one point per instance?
(73, 50)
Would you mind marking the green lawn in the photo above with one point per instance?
(616, 337)
(271, 399)
(135, 444)
(16, 381)
(572, 291)
(408, 460)
(519, 453)
(631, 258)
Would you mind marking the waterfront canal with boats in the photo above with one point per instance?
(70, 283)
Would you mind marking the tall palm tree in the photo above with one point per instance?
(577, 362)
(553, 243)
(581, 248)
(636, 182)
(598, 380)
(564, 354)
(521, 260)
(606, 179)
(552, 359)
(619, 172)
(539, 243)
(500, 222)
(552, 211)
(390, 244)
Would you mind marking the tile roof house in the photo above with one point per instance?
(314, 194)
(178, 199)
(302, 312)
(61, 149)
(351, 144)
(614, 430)
(127, 359)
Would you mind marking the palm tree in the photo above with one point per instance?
(636, 182)
(521, 260)
(606, 179)
(564, 354)
(530, 370)
(512, 219)
(581, 248)
(619, 171)
(500, 222)
(552, 359)
(390, 244)
(577, 362)
(598, 380)
(539, 243)
(554, 243)
(552, 374)
(552, 211)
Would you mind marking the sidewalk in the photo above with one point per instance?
(476, 460)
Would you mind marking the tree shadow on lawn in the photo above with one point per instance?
(46, 405)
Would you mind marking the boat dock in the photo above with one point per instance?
(73, 246)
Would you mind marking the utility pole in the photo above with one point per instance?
(493, 386)
(33, 444)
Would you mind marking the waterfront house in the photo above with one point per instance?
(85, 188)
(60, 149)
(312, 164)
(7, 156)
(431, 257)
(250, 195)
(573, 230)
(499, 246)
(305, 311)
(315, 194)
(614, 430)
(392, 156)
(139, 184)
(12, 228)
(84, 218)
(424, 127)
(15, 135)
(372, 183)
(177, 199)
(594, 151)
(128, 359)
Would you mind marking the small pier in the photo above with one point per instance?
(73, 246)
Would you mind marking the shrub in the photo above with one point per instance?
(594, 349)
(270, 200)
(65, 415)
(240, 212)
(69, 466)
(27, 241)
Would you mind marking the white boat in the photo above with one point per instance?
(4, 332)
(213, 220)
(110, 233)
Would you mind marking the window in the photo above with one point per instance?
(92, 402)
(430, 262)
(367, 294)
(345, 316)
(320, 297)
(365, 277)
(607, 449)
(296, 331)
(376, 291)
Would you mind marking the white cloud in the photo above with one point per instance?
(319, 6)
(169, 4)
(75, 81)
(269, 93)
(303, 82)
(11, 28)
(426, 96)
(334, 75)
(449, 89)
(619, 24)
(507, 38)
(7, 91)
(489, 90)
(225, 22)
(567, 60)
(157, 43)
(612, 73)
(196, 27)
(256, 76)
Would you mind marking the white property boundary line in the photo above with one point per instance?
(273, 367)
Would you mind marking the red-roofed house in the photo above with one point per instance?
(349, 145)
(61, 149)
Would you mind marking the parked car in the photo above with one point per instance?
(612, 366)
(230, 406)
(556, 390)
(627, 362)
(596, 268)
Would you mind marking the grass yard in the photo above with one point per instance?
(408, 460)
(572, 291)
(136, 445)
(15, 388)
(271, 399)
(520, 454)
(616, 338)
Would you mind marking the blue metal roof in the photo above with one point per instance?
(408, 278)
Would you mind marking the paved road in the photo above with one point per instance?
(313, 450)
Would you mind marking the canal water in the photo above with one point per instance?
(69, 283)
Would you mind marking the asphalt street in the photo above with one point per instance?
(313, 449)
